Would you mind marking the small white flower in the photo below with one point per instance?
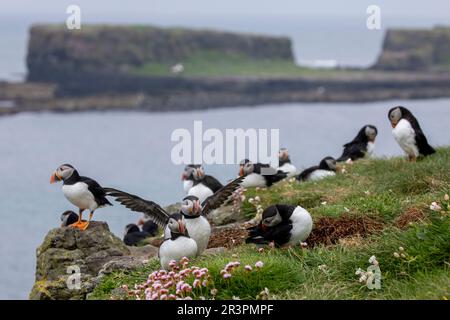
(257, 198)
(396, 255)
(359, 271)
(367, 193)
(435, 206)
(324, 203)
(446, 197)
(401, 249)
(346, 209)
(373, 260)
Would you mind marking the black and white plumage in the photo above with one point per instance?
(326, 168)
(259, 175)
(408, 134)
(203, 185)
(194, 213)
(284, 163)
(68, 217)
(134, 235)
(83, 192)
(362, 145)
(282, 224)
(179, 244)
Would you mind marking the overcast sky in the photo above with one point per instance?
(405, 8)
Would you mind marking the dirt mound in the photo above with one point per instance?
(228, 238)
(329, 231)
(410, 215)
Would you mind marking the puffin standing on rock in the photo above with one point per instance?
(326, 168)
(362, 145)
(192, 212)
(284, 163)
(68, 217)
(282, 224)
(408, 134)
(259, 175)
(83, 192)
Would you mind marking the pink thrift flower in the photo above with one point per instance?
(227, 276)
(248, 268)
(259, 264)
(196, 283)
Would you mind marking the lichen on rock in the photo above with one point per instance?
(67, 249)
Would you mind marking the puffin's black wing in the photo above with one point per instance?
(353, 150)
(151, 209)
(219, 198)
(274, 178)
(134, 238)
(303, 176)
(97, 190)
(421, 140)
(212, 183)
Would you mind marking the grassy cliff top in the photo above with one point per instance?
(389, 199)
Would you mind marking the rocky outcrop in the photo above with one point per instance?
(415, 50)
(70, 262)
(55, 53)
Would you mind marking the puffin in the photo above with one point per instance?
(133, 235)
(68, 217)
(191, 210)
(179, 244)
(326, 168)
(362, 145)
(83, 192)
(408, 134)
(188, 176)
(203, 185)
(259, 175)
(285, 225)
(284, 163)
(149, 226)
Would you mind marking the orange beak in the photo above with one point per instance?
(181, 227)
(54, 177)
(393, 125)
(241, 172)
(140, 222)
(183, 176)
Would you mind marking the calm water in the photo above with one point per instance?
(131, 151)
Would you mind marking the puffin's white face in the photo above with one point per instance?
(394, 116)
(371, 134)
(283, 154)
(272, 220)
(191, 206)
(64, 172)
(331, 163)
(246, 168)
(177, 226)
(187, 173)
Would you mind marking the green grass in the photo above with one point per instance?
(384, 189)
(218, 64)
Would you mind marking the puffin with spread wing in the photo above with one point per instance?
(193, 212)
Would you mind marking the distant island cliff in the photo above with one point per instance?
(103, 67)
